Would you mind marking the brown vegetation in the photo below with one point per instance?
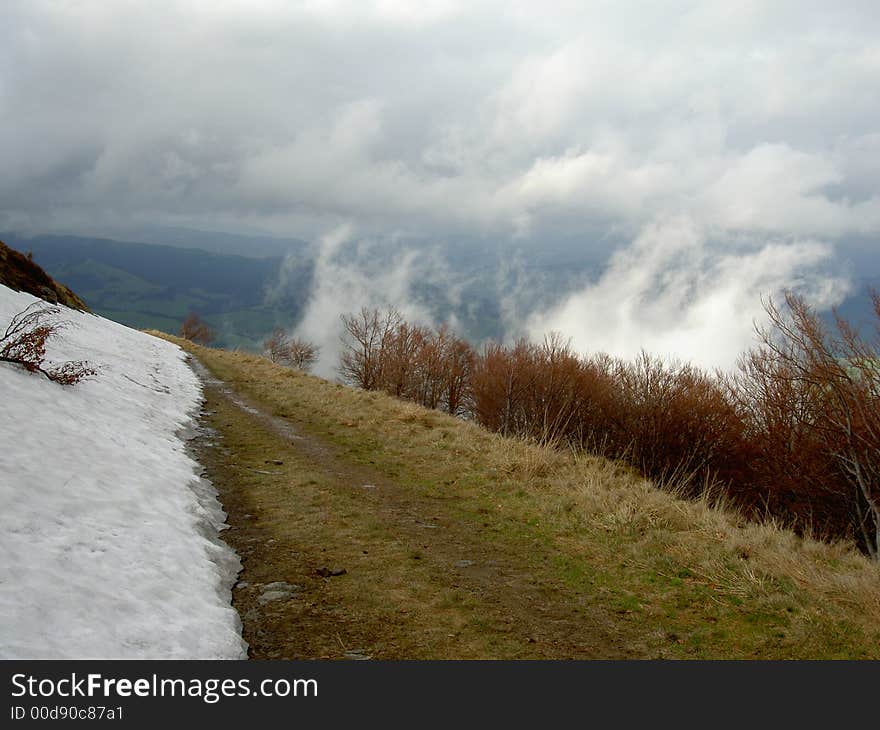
(24, 344)
(432, 367)
(19, 272)
(812, 399)
(292, 351)
(573, 555)
(195, 329)
(794, 435)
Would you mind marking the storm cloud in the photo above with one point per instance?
(755, 122)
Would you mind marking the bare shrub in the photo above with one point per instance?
(502, 378)
(831, 381)
(24, 344)
(302, 354)
(366, 337)
(793, 436)
(275, 346)
(680, 422)
(195, 329)
(459, 360)
(292, 351)
(432, 367)
(400, 360)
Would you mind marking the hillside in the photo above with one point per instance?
(20, 273)
(458, 543)
(110, 539)
(149, 286)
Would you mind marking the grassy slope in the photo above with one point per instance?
(681, 579)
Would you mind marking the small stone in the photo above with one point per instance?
(357, 655)
(270, 596)
(277, 591)
(326, 572)
(280, 585)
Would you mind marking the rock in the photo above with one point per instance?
(464, 563)
(277, 462)
(357, 655)
(270, 596)
(280, 585)
(277, 591)
(50, 295)
(326, 572)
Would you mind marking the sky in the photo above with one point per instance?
(733, 147)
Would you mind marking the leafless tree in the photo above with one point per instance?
(460, 359)
(367, 336)
(276, 345)
(295, 352)
(302, 354)
(840, 372)
(195, 329)
(399, 360)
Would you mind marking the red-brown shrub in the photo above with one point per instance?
(794, 434)
(24, 344)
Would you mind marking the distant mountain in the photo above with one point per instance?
(486, 288)
(149, 286)
(236, 244)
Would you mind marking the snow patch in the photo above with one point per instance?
(109, 537)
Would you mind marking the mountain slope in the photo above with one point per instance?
(110, 539)
(144, 285)
(460, 543)
(20, 273)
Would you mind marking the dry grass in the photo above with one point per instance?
(687, 578)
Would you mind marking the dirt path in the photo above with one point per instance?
(418, 582)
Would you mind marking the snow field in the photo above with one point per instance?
(109, 540)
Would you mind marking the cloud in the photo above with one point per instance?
(675, 293)
(442, 117)
(452, 121)
(350, 274)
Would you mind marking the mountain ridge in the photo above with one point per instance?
(20, 272)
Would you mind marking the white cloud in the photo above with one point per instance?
(442, 117)
(452, 120)
(675, 294)
(348, 278)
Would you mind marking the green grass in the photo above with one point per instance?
(679, 579)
